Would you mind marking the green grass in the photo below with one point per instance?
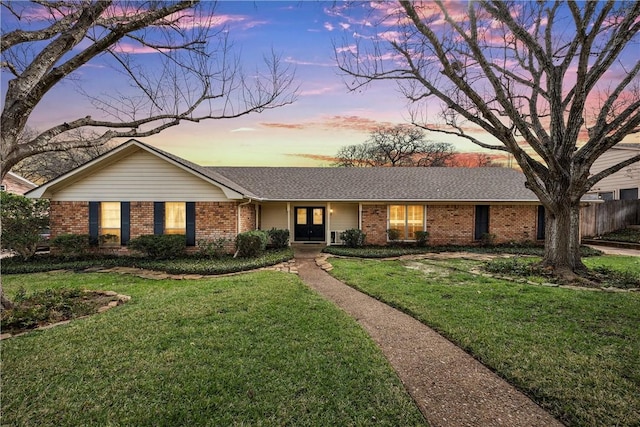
(619, 263)
(259, 349)
(576, 353)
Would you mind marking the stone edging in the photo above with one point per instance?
(120, 299)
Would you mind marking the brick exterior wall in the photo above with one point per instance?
(454, 224)
(247, 218)
(374, 224)
(141, 219)
(450, 224)
(513, 223)
(213, 220)
(69, 217)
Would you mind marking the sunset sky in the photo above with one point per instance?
(325, 116)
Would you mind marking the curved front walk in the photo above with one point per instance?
(450, 387)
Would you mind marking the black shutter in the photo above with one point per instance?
(94, 209)
(158, 217)
(191, 223)
(541, 223)
(482, 221)
(125, 223)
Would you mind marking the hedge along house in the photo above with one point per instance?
(136, 189)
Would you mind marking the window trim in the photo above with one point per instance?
(405, 237)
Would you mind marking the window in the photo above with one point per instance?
(175, 218)
(3, 187)
(407, 219)
(541, 223)
(110, 222)
(629, 194)
(482, 221)
(605, 195)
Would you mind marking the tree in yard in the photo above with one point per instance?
(553, 83)
(23, 220)
(44, 167)
(193, 76)
(400, 145)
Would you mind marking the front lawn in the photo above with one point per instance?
(576, 353)
(256, 349)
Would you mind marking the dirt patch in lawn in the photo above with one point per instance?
(49, 308)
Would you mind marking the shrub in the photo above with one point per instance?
(23, 220)
(213, 248)
(251, 243)
(160, 246)
(71, 245)
(353, 238)
(279, 238)
(394, 235)
(422, 238)
(487, 239)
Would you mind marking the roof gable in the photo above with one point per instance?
(130, 148)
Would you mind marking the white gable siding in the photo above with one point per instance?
(628, 177)
(141, 176)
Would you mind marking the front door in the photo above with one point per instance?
(309, 224)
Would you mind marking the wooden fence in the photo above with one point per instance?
(600, 218)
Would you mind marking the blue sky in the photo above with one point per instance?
(325, 117)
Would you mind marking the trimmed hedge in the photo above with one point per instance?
(251, 243)
(160, 246)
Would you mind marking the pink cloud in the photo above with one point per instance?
(352, 122)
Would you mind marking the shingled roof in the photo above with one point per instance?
(380, 184)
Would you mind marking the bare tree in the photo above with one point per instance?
(401, 145)
(525, 73)
(195, 76)
(44, 167)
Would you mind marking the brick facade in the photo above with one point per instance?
(213, 219)
(374, 224)
(450, 224)
(446, 224)
(247, 218)
(513, 223)
(454, 224)
(69, 217)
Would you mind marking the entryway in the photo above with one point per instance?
(309, 224)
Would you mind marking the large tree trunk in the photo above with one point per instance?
(562, 239)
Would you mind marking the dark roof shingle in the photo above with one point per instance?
(373, 184)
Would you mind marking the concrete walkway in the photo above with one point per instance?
(450, 387)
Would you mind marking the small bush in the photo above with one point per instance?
(23, 220)
(160, 246)
(422, 238)
(393, 234)
(353, 238)
(511, 266)
(279, 238)
(71, 245)
(251, 243)
(213, 248)
(487, 239)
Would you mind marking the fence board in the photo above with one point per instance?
(601, 218)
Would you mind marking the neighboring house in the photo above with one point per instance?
(622, 185)
(136, 189)
(14, 183)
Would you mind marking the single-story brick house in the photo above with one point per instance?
(136, 189)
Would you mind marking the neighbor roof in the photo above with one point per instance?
(380, 184)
